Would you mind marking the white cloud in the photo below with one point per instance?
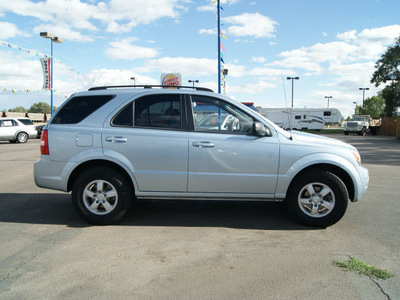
(265, 71)
(382, 35)
(206, 8)
(125, 50)
(65, 32)
(208, 31)
(120, 77)
(259, 59)
(115, 15)
(251, 24)
(251, 88)
(9, 30)
(184, 65)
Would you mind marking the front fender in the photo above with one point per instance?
(286, 177)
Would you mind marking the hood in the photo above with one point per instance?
(319, 141)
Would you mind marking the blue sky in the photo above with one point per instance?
(331, 45)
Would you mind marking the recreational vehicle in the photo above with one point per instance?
(302, 118)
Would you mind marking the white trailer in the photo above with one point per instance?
(302, 118)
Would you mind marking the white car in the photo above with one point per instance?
(17, 130)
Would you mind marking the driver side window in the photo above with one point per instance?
(216, 115)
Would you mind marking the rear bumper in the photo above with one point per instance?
(50, 175)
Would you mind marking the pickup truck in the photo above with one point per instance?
(362, 124)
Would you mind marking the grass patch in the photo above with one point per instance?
(354, 264)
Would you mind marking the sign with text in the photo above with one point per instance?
(46, 66)
(171, 79)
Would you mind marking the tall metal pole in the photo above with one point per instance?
(292, 90)
(219, 47)
(51, 78)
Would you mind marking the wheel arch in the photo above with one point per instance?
(336, 170)
(98, 163)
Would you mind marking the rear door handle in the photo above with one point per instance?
(203, 144)
(116, 139)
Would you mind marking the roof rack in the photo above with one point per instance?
(96, 88)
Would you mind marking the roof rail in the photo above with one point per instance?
(146, 86)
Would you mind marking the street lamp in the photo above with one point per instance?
(134, 80)
(292, 79)
(355, 108)
(55, 39)
(329, 97)
(194, 81)
(363, 89)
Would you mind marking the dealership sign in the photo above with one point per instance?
(171, 79)
(47, 69)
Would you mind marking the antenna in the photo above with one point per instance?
(289, 114)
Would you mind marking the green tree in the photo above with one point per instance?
(374, 106)
(388, 71)
(17, 109)
(41, 107)
(389, 94)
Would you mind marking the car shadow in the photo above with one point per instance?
(56, 209)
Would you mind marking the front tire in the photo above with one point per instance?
(102, 196)
(317, 198)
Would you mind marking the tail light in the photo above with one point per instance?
(44, 143)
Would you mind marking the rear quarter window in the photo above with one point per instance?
(79, 108)
(26, 121)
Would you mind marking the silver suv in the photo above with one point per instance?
(112, 145)
(17, 130)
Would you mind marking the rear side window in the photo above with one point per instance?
(79, 108)
(327, 113)
(161, 111)
(26, 121)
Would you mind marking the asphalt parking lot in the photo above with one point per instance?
(195, 250)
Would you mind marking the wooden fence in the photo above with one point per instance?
(390, 126)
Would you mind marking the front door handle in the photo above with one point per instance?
(116, 139)
(203, 144)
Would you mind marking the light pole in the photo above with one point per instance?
(292, 79)
(55, 39)
(194, 81)
(363, 89)
(134, 80)
(355, 108)
(329, 97)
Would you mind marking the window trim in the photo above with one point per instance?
(183, 114)
(192, 122)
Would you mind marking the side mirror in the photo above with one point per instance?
(260, 130)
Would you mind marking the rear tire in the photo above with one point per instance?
(102, 196)
(317, 198)
(22, 137)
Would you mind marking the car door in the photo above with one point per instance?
(10, 127)
(148, 136)
(227, 157)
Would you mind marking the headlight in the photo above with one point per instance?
(357, 157)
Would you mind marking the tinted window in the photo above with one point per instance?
(26, 121)
(79, 108)
(297, 117)
(161, 111)
(327, 113)
(124, 117)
